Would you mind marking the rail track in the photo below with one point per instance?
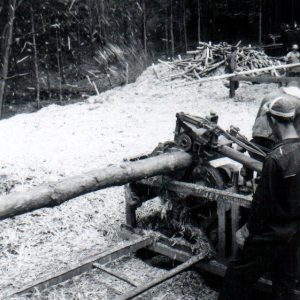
(104, 262)
(99, 262)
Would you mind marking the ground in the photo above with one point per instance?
(61, 141)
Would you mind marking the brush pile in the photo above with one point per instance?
(208, 58)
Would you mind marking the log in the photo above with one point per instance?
(55, 193)
(228, 76)
(247, 161)
(113, 175)
(266, 79)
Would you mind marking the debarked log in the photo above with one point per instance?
(113, 175)
(55, 193)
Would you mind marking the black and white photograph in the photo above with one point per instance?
(150, 149)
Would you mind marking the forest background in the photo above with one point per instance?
(64, 49)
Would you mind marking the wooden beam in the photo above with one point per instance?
(196, 190)
(235, 225)
(221, 211)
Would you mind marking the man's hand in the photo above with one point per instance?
(241, 236)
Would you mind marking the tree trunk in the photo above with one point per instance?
(184, 26)
(145, 28)
(5, 60)
(260, 23)
(199, 20)
(91, 26)
(103, 18)
(167, 33)
(58, 65)
(213, 19)
(36, 63)
(58, 192)
(172, 30)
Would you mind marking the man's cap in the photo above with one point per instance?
(295, 47)
(281, 107)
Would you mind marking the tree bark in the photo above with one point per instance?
(145, 28)
(103, 18)
(184, 26)
(172, 29)
(58, 56)
(199, 20)
(260, 23)
(5, 64)
(36, 63)
(56, 193)
(167, 33)
(91, 26)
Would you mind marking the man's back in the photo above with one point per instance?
(276, 201)
(286, 156)
(231, 62)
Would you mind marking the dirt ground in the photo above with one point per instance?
(61, 141)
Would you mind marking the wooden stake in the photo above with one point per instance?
(96, 89)
(127, 72)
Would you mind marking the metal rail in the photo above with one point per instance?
(212, 266)
(145, 287)
(86, 265)
(97, 261)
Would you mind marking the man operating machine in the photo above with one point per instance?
(271, 238)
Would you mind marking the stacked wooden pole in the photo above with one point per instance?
(209, 57)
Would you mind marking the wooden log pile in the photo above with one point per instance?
(210, 57)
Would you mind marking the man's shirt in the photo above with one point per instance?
(293, 57)
(231, 62)
(276, 203)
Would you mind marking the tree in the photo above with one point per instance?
(172, 29)
(36, 62)
(7, 41)
(199, 20)
(184, 26)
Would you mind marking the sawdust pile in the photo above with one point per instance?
(57, 142)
